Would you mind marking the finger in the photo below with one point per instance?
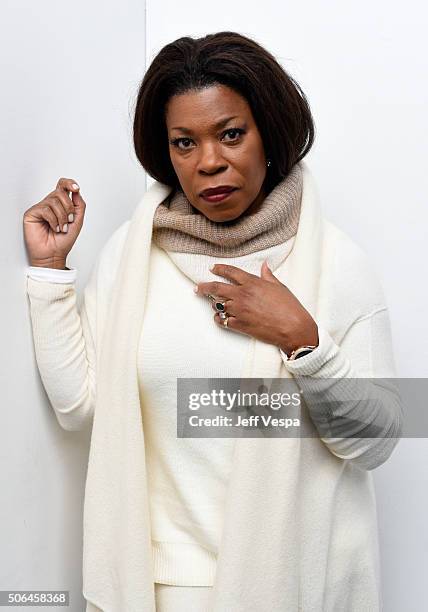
(78, 202)
(267, 274)
(61, 212)
(66, 184)
(232, 273)
(63, 188)
(228, 306)
(48, 215)
(224, 290)
(231, 322)
(65, 200)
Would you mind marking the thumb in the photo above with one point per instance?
(79, 205)
(267, 274)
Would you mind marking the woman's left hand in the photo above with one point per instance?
(261, 307)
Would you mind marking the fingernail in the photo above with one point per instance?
(195, 288)
(71, 217)
(75, 186)
(65, 228)
(212, 267)
(57, 228)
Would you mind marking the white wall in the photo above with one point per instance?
(362, 66)
(68, 75)
(69, 72)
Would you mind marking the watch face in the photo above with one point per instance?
(303, 353)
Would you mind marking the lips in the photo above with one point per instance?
(217, 190)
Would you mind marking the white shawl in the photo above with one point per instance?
(300, 527)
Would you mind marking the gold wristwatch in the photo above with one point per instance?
(298, 352)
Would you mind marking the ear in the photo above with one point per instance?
(267, 274)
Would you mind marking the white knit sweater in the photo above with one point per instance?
(186, 478)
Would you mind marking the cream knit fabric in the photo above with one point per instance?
(187, 478)
(299, 518)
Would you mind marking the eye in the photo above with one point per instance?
(234, 131)
(176, 142)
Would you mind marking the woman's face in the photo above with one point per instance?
(214, 141)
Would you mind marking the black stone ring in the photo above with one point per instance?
(219, 306)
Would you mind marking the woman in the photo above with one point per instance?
(223, 524)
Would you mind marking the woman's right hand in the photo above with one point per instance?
(46, 246)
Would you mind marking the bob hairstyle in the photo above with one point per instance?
(279, 107)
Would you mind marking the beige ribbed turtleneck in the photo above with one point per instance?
(179, 227)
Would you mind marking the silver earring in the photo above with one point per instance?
(268, 163)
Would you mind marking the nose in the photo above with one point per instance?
(210, 159)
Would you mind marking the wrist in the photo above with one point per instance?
(55, 263)
(308, 340)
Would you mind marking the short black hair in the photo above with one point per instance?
(279, 106)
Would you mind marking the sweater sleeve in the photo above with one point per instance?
(67, 338)
(349, 391)
(64, 342)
